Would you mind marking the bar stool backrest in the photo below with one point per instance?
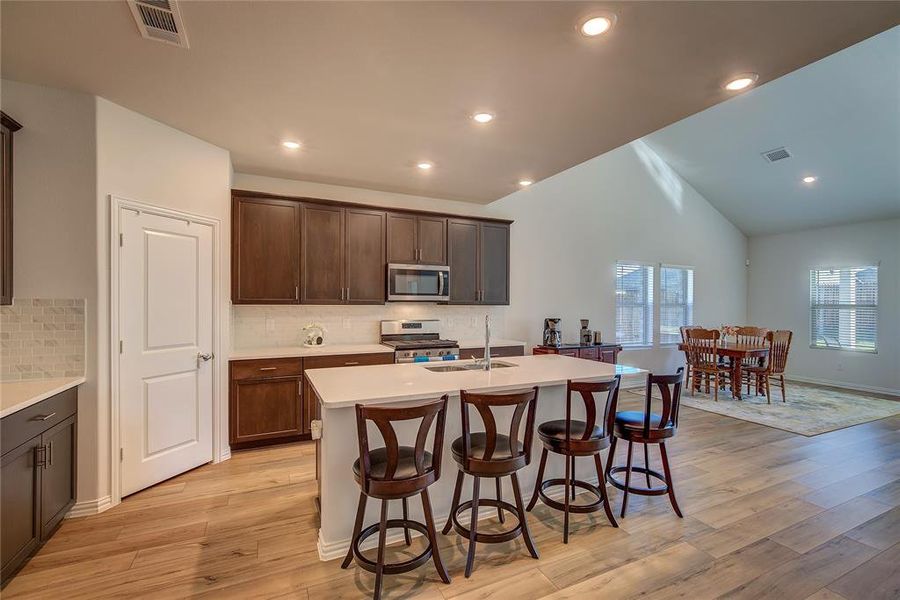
(670, 394)
(484, 403)
(383, 417)
(587, 442)
(779, 346)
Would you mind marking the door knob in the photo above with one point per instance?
(204, 357)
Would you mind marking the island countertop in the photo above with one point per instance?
(377, 384)
(16, 395)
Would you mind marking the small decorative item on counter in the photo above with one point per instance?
(315, 334)
(728, 330)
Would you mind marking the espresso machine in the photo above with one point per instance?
(587, 336)
(552, 332)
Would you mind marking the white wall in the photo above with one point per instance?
(779, 298)
(626, 204)
(55, 227)
(142, 159)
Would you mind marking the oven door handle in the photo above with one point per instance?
(440, 283)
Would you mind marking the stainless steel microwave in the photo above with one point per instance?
(418, 283)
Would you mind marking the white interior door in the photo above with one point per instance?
(165, 375)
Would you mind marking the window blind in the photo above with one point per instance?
(676, 302)
(634, 304)
(844, 308)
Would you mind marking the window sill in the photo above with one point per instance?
(842, 349)
(635, 347)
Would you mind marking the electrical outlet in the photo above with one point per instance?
(345, 322)
(473, 321)
(270, 325)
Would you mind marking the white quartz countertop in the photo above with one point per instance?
(299, 351)
(346, 386)
(494, 343)
(16, 395)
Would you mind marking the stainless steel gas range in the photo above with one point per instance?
(417, 341)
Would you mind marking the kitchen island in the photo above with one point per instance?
(338, 390)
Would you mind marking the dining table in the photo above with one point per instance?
(736, 352)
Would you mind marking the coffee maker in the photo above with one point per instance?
(587, 336)
(552, 332)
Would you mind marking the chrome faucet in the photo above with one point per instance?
(485, 363)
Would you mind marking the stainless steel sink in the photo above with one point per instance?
(468, 367)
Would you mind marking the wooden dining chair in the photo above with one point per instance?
(703, 349)
(751, 367)
(687, 357)
(779, 343)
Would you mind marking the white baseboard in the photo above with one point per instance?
(845, 385)
(90, 507)
(339, 549)
(224, 455)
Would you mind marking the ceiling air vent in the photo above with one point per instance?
(159, 20)
(776, 154)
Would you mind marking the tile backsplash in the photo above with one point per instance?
(266, 326)
(41, 338)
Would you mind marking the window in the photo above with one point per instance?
(844, 308)
(634, 304)
(676, 302)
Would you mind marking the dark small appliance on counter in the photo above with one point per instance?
(552, 331)
(587, 336)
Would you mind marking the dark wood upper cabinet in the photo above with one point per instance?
(478, 253)
(462, 251)
(322, 254)
(494, 260)
(8, 126)
(265, 261)
(364, 263)
(416, 239)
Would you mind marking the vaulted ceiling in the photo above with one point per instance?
(838, 118)
(371, 88)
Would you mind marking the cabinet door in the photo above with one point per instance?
(58, 477)
(494, 246)
(462, 255)
(432, 240)
(589, 354)
(608, 356)
(401, 238)
(265, 409)
(20, 482)
(265, 251)
(8, 126)
(364, 256)
(322, 255)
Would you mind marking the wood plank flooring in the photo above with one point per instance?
(768, 514)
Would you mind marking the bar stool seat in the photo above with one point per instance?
(634, 418)
(555, 431)
(406, 463)
(479, 445)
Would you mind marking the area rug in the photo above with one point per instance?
(809, 410)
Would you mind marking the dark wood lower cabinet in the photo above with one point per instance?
(496, 352)
(271, 402)
(608, 353)
(37, 477)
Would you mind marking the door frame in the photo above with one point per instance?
(221, 450)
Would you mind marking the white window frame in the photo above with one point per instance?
(845, 306)
(688, 307)
(651, 314)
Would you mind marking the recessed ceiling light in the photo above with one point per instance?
(290, 144)
(525, 182)
(424, 165)
(741, 82)
(483, 117)
(596, 26)
(809, 179)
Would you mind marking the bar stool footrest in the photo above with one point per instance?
(391, 568)
(573, 508)
(487, 538)
(661, 490)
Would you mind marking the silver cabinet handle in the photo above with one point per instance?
(348, 295)
(50, 454)
(351, 363)
(296, 292)
(43, 417)
(268, 368)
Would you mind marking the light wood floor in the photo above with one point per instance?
(768, 514)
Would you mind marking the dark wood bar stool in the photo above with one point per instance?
(571, 438)
(494, 455)
(397, 472)
(647, 428)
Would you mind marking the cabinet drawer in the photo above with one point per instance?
(21, 426)
(589, 353)
(496, 352)
(269, 367)
(348, 360)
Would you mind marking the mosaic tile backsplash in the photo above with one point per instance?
(267, 326)
(41, 338)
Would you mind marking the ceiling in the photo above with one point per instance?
(371, 88)
(840, 120)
